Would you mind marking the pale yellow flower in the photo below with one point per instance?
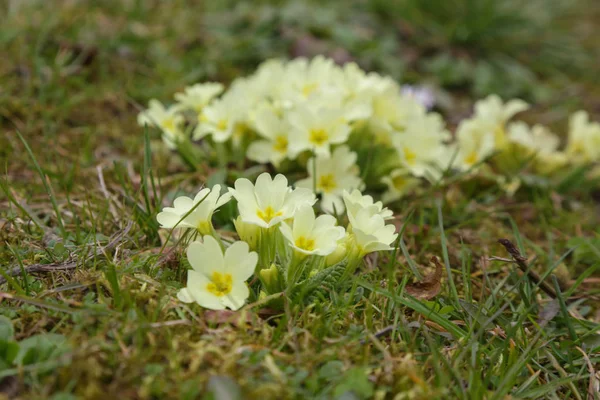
(194, 213)
(334, 175)
(217, 280)
(309, 235)
(270, 201)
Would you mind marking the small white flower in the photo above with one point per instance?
(334, 174)
(356, 201)
(196, 97)
(217, 280)
(204, 205)
(309, 235)
(370, 233)
(270, 201)
(166, 119)
(583, 143)
(316, 130)
(275, 132)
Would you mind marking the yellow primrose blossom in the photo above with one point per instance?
(194, 213)
(334, 175)
(309, 235)
(583, 143)
(316, 130)
(168, 120)
(274, 148)
(217, 280)
(270, 201)
(476, 141)
(355, 201)
(220, 119)
(420, 145)
(495, 113)
(197, 96)
(538, 143)
(369, 231)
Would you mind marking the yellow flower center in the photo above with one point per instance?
(202, 117)
(222, 124)
(327, 183)
(169, 124)
(281, 144)
(220, 284)
(268, 214)
(471, 158)
(305, 243)
(309, 88)
(410, 156)
(204, 227)
(318, 137)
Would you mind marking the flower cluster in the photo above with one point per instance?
(283, 242)
(349, 129)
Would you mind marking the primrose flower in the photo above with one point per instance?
(496, 114)
(275, 132)
(334, 174)
(583, 143)
(220, 119)
(194, 213)
(539, 144)
(370, 233)
(217, 280)
(270, 201)
(196, 97)
(399, 183)
(309, 235)
(356, 201)
(392, 112)
(316, 130)
(166, 119)
(310, 79)
(476, 141)
(420, 146)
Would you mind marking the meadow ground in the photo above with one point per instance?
(87, 290)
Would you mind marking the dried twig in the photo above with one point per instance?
(522, 263)
(72, 263)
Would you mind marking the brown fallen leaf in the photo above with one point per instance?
(430, 286)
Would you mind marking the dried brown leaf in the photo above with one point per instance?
(429, 287)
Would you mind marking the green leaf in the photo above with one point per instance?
(8, 351)
(6, 328)
(39, 348)
(356, 381)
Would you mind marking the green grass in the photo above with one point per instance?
(81, 184)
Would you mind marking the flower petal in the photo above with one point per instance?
(206, 257)
(239, 261)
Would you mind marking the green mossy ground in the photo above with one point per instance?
(74, 75)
